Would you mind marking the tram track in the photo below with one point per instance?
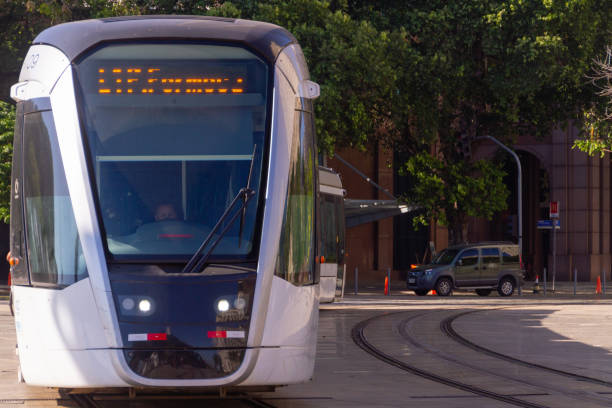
(101, 401)
(447, 327)
(571, 393)
(539, 386)
(360, 340)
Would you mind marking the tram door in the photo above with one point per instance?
(332, 235)
(340, 244)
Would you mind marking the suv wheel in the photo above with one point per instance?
(444, 287)
(483, 292)
(421, 292)
(506, 287)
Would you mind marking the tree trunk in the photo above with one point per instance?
(457, 233)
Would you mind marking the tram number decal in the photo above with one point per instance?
(31, 64)
(154, 81)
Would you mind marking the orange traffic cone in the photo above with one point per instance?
(433, 292)
(386, 285)
(536, 285)
(598, 288)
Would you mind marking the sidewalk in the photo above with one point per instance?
(561, 289)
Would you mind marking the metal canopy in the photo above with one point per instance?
(359, 212)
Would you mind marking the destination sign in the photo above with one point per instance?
(150, 80)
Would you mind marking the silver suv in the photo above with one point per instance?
(482, 267)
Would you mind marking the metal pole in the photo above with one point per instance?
(389, 278)
(603, 273)
(554, 271)
(363, 176)
(343, 279)
(544, 281)
(519, 171)
(575, 279)
(356, 280)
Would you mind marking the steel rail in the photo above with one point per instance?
(447, 327)
(89, 400)
(579, 397)
(359, 338)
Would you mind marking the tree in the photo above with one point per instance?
(22, 20)
(499, 68)
(350, 59)
(413, 74)
(452, 191)
(7, 122)
(596, 135)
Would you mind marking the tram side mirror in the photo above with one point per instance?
(27, 90)
(309, 89)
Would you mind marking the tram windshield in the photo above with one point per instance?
(171, 131)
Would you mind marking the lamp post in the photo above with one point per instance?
(520, 195)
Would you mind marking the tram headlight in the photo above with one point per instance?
(134, 305)
(231, 307)
(128, 304)
(223, 305)
(145, 306)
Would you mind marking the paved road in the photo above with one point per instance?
(573, 334)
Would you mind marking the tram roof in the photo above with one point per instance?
(76, 37)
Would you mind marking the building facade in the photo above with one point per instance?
(551, 170)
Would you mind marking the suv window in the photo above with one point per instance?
(469, 257)
(490, 255)
(510, 254)
(445, 257)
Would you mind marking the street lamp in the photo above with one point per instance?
(520, 195)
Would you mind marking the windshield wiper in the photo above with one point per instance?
(243, 196)
(248, 186)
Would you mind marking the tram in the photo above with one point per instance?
(164, 205)
(332, 224)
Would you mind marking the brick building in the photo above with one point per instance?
(552, 170)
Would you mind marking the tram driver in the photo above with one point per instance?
(165, 212)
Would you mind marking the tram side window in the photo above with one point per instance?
(341, 229)
(19, 273)
(297, 246)
(54, 250)
(329, 224)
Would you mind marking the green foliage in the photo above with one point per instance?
(452, 191)
(500, 68)
(7, 123)
(350, 59)
(410, 73)
(497, 68)
(596, 135)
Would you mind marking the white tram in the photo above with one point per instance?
(164, 213)
(333, 267)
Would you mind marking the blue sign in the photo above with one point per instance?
(547, 224)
